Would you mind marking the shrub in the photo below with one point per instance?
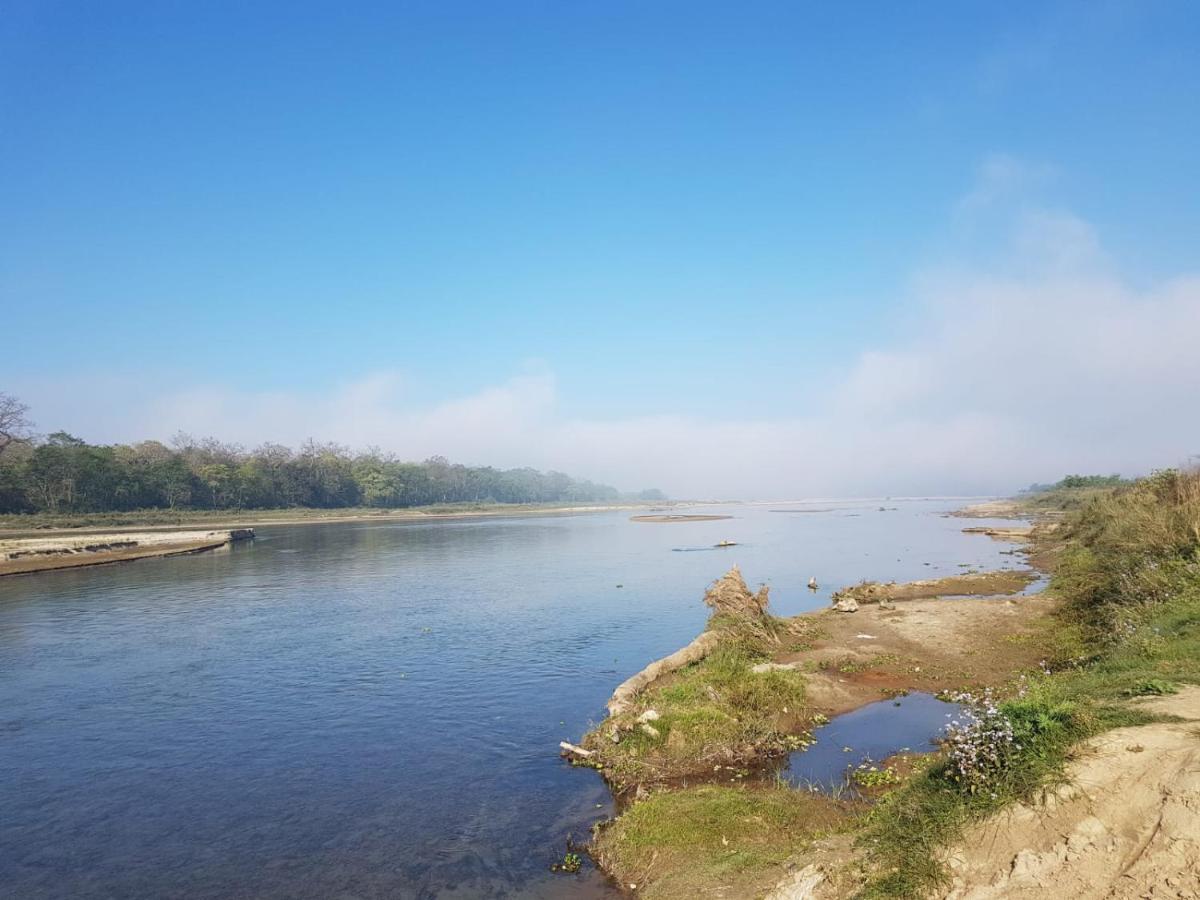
(994, 746)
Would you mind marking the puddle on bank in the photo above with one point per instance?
(873, 732)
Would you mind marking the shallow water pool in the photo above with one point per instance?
(871, 733)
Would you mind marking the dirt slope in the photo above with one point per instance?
(1125, 825)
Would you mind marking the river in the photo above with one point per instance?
(373, 710)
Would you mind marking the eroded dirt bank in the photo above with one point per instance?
(1125, 823)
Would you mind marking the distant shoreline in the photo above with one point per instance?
(166, 520)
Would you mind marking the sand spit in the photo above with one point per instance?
(975, 584)
(42, 554)
(1020, 533)
(991, 509)
(37, 526)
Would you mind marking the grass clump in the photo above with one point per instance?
(569, 865)
(1152, 687)
(680, 843)
(716, 712)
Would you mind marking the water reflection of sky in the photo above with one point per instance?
(873, 732)
(373, 709)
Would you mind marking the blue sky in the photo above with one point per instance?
(581, 218)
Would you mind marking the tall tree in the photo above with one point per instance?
(14, 421)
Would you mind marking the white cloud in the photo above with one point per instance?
(1044, 363)
(1000, 179)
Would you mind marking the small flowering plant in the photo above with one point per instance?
(979, 742)
(984, 742)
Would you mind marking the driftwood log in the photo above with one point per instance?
(623, 696)
(727, 596)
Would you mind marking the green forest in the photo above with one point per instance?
(60, 473)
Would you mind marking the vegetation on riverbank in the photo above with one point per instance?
(1126, 578)
(715, 715)
(1068, 494)
(714, 834)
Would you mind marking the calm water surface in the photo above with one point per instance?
(362, 711)
(869, 734)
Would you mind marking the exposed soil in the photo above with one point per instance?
(1125, 824)
(927, 645)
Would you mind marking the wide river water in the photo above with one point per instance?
(374, 710)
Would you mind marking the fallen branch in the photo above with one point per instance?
(569, 749)
(622, 698)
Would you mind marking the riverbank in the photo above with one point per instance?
(26, 556)
(1051, 671)
(13, 526)
(689, 757)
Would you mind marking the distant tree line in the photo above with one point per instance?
(1073, 482)
(61, 473)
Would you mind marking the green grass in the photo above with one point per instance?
(1057, 500)
(736, 836)
(716, 712)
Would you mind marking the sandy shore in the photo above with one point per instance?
(991, 509)
(25, 556)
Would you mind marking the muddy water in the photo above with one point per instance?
(372, 710)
